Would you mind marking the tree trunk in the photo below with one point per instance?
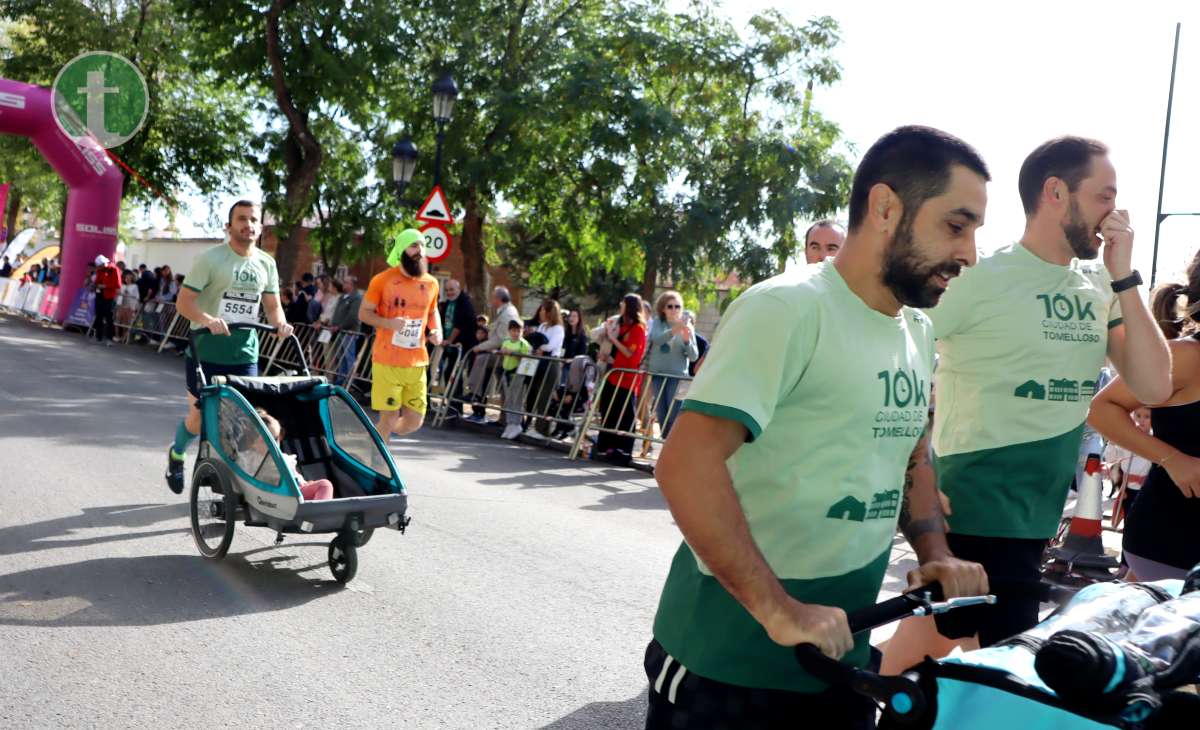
(14, 212)
(472, 247)
(301, 151)
(302, 171)
(649, 279)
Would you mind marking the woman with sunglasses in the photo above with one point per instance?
(672, 346)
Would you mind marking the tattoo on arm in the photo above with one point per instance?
(931, 519)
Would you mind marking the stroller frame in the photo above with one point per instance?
(223, 492)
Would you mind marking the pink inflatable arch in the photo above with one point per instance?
(93, 183)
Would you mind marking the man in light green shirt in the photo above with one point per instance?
(787, 527)
(228, 284)
(1022, 339)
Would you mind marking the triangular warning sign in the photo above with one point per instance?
(435, 209)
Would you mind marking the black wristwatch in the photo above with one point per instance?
(1129, 282)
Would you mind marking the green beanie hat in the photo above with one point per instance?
(403, 240)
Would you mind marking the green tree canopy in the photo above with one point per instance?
(198, 124)
(624, 137)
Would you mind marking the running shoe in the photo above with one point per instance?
(174, 471)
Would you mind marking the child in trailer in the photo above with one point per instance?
(251, 459)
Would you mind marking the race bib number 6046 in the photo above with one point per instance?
(409, 335)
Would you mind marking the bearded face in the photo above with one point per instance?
(910, 273)
(414, 265)
(1083, 238)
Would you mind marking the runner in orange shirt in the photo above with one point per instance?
(401, 304)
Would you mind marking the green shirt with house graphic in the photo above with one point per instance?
(834, 397)
(1022, 342)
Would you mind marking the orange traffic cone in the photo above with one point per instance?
(1083, 547)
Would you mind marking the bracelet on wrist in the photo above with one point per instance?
(1163, 461)
(1131, 281)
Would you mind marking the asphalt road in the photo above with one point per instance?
(521, 597)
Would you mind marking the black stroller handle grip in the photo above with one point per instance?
(900, 696)
(893, 609)
(259, 326)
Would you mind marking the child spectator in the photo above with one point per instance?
(127, 299)
(1127, 470)
(516, 385)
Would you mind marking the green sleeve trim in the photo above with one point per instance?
(189, 286)
(727, 412)
(1116, 322)
(270, 291)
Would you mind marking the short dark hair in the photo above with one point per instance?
(306, 276)
(1067, 158)
(915, 162)
(825, 223)
(515, 324)
(240, 204)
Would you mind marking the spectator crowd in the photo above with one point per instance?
(542, 374)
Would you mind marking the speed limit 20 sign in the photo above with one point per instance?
(437, 241)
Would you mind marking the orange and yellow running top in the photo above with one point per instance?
(395, 294)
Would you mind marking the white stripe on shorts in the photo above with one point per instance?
(662, 675)
(675, 683)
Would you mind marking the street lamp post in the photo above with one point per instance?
(404, 164)
(404, 152)
(445, 93)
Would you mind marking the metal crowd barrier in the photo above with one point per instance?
(573, 399)
(155, 322)
(24, 299)
(535, 392)
(128, 310)
(616, 409)
(439, 386)
(337, 355)
(8, 294)
(32, 300)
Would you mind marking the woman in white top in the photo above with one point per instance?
(328, 294)
(549, 371)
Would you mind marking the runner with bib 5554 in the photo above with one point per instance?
(227, 284)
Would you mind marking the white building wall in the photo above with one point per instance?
(176, 253)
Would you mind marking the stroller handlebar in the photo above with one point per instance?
(193, 334)
(900, 696)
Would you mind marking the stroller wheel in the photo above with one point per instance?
(343, 558)
(213, 508)
(362, 537)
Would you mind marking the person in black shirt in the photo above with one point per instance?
(1160, 530)
(147, 284)
(575, 341)
(295, 305)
